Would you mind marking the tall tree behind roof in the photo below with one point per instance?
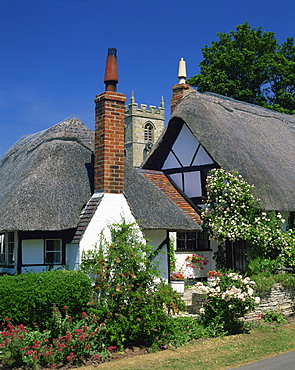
(249, 65)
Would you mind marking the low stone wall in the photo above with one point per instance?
(279, 299)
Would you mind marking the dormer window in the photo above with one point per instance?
(148, 132)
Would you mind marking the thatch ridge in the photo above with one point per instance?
(46, 178)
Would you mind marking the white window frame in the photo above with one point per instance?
(7, 247)
(53, 262)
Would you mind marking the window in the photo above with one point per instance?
(7, 248)
(53, 251)
(192, 241)
(148, 132)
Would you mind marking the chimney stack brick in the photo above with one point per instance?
(109, 142)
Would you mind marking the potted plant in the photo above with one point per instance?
(177, 281)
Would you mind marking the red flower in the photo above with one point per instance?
(84, 315)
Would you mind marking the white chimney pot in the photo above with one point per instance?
(182, 71)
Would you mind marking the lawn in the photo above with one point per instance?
(216, 353)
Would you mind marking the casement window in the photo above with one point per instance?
(148, 132)
(192, 241)
(7, 248)
(53, 251)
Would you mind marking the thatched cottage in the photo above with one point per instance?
(209, 131)
(61, 187)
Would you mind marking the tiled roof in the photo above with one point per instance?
(159, 179)
(86, 216)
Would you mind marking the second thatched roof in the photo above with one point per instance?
(256, 142)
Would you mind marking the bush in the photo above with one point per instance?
(262, 266)
(228, 298)
(75, 342)
(29, 298)
(177, 332)
(273, 317)
(265, 283)
(132, 297)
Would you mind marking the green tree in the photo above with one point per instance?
(249, 65)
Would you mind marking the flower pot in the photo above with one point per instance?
(178, 286)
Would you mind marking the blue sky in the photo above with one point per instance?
(53, 52)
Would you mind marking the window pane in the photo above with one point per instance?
(52, 245)
(53, 257)
(185, 146)
(177, 178)
(53, 251)
(192, 184)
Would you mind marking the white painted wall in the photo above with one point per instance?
(72, 256)
(155, 238)
(196, 273)
(112, 209)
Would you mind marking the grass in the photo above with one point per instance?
(215, 353)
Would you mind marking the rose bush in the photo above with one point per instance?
(232, 212)
(227, 298)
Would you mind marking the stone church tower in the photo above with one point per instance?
(143, 127)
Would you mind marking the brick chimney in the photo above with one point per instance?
(109, 132)
(179, 89)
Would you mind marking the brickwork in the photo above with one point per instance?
(178, 91)
(109, 142)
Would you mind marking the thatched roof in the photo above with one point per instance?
(256, 142)
(46, 179)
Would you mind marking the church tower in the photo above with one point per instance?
(143, 126)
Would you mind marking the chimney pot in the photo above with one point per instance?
(111, 71)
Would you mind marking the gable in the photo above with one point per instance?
(257, 143)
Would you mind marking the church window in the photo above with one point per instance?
(148, 132)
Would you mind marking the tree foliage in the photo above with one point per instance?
(249, 65)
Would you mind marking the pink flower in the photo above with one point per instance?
(84, 315)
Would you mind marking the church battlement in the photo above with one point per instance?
(143, 126)
(150, 112)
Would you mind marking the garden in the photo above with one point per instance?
(118, 301)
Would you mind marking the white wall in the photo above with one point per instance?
(112, 209)
(155, 238)
(195, 273)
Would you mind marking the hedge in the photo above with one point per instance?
(29, 298)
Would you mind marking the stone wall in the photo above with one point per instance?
(280, 299)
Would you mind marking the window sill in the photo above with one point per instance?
(193, 250)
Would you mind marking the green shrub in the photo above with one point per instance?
(74, 343)
(273, 317)
(29, 298)
(228, 297)
(287, 280)
(132, 297)
(262, 266)
(177, 332)
(265, 283)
